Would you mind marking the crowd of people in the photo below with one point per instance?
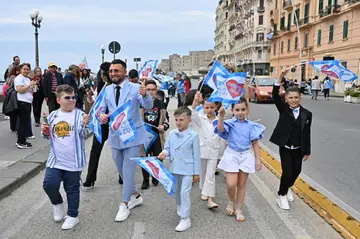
(207, 137)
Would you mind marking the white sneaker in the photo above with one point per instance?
(290, 195)
(31, 137)
(134, 202)
(283, 202)
(178, 210)
(58, 211)
(123, 213)
(70, 222)
(183, 225)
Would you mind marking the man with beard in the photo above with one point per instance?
(116, 94)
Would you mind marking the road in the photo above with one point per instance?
(334, 165)
(26, 213)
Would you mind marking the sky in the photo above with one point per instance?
(72, 30)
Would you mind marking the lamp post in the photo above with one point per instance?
(125, 59)
(35, 21)
(102, 53)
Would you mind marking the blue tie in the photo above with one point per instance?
(295, 110)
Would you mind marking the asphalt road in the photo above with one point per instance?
(334, 166)
(27, 212)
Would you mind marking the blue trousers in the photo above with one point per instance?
(182, 190)
(127, 169)
(71, 181)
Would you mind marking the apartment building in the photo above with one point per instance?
(189, 64)
(222, 46)
(325, 29)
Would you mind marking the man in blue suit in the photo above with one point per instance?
(117, 94)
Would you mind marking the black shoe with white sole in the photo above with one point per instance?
(25, 145)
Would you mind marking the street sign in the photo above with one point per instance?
(137, 59)
(114, 47)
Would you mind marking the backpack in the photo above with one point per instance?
(10, 103)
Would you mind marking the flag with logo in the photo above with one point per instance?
(148, 69)
(229, 88)
(83, 64)
(150, 137)
(94, 113)
(157, 170)
(217, 68)
(121, 123)
(321, 65)
(340, 72)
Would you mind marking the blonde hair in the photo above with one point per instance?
(230, 66)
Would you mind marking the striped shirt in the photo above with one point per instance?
(54, 82)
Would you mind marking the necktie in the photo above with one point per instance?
(295, 111)
(117, 96)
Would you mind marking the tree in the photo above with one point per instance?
(203, 71)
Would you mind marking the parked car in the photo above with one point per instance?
(260, 89)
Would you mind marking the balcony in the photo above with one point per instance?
(354, 3)
(329, 12)
(232, 27)
(303, 22)
(239, 35)
(287, 5)
(260, 9)
(274, 16)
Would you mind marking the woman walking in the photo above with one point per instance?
(38, 95)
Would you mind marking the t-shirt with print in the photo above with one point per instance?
(64, 141)
(21, 80)
(152, 116)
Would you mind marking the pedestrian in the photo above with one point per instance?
(52, 80)
(241, 156)
(14, 114)
(292, 135)
(160, 95)
(16, 62)
(303, 86)
(24, 88)
(187, 83)
(38, 95)
(210, 145)
(134, 76)
(180, 88)
(182, 146)
(116, 95)
(327, 86)
(155, 117)
(68, 128)
(315, 87)
(87, 83)
(165, 88)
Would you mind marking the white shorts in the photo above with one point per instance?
(166, 93)
(233, 162)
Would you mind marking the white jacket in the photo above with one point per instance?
(211, 144)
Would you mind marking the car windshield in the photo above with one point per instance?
(266, 81)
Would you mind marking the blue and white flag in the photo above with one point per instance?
(321, 65)
(151, 136)
(121, 123)
(217, 68)
(94, 113)
(340, 72)
(199, 108)
(229, 88)
(157, 170)
(148, 69)
(172, 74)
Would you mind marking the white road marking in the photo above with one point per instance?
(139, 231)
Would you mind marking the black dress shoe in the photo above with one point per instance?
(120, 180)
(88, 184)
(145, 185)
(155, 182)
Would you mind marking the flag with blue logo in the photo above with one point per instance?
(157, 170)
(229, 88)
(321, 65)
(217, 68)
(121, 123)
(340, 72)
(150, 137)
(94, 113)
(148, 69)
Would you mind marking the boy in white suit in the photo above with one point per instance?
(182, 146)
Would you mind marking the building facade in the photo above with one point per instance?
(325, 28)
(189, 64)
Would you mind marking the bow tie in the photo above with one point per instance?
(179, 134)
(295, 110)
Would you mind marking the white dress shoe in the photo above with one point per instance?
(183, 225)
(283, 202)
(123, 213)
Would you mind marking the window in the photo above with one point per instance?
(226, 15)
(306, 40)
(276, 4)
(261, 4)
(259, 54)
(345, 29)
(306, 13)
(329, 2)
(288, 46)
(260, 37)
(331, 34)
(344, 63)
(297, 14)
(321, 5)
(282, 22)
(319, 37)
(296, 43)
(274, 49)
(289, 22)
(261, 19)
(282, 47)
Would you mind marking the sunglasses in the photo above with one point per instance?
(70, 97)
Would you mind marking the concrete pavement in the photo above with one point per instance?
(26, 213)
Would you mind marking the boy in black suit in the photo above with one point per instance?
(292, 135)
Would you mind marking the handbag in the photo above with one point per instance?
(10, 103)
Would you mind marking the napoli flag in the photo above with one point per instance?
(321, 65)
(217, 68)
(229, 88)
(157, 170)
(148, 69)
(95, 111)
(340, 72)
(151, 136)
(121, 123)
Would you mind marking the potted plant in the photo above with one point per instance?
(355, 97)
(347, 95)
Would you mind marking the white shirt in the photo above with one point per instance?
(21, 80)
(64, 141)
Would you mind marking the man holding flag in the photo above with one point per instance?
(117, 94)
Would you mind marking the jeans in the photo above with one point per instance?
(71, 181)
(24, 121)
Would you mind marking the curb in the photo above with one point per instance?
(338, 218)
(29, 167)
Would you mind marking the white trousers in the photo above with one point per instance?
(207, 177)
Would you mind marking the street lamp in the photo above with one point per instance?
(102, 52)
(125, 59)
(35, 21)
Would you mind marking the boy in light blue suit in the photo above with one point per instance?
(182, 146)
(117, 94)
